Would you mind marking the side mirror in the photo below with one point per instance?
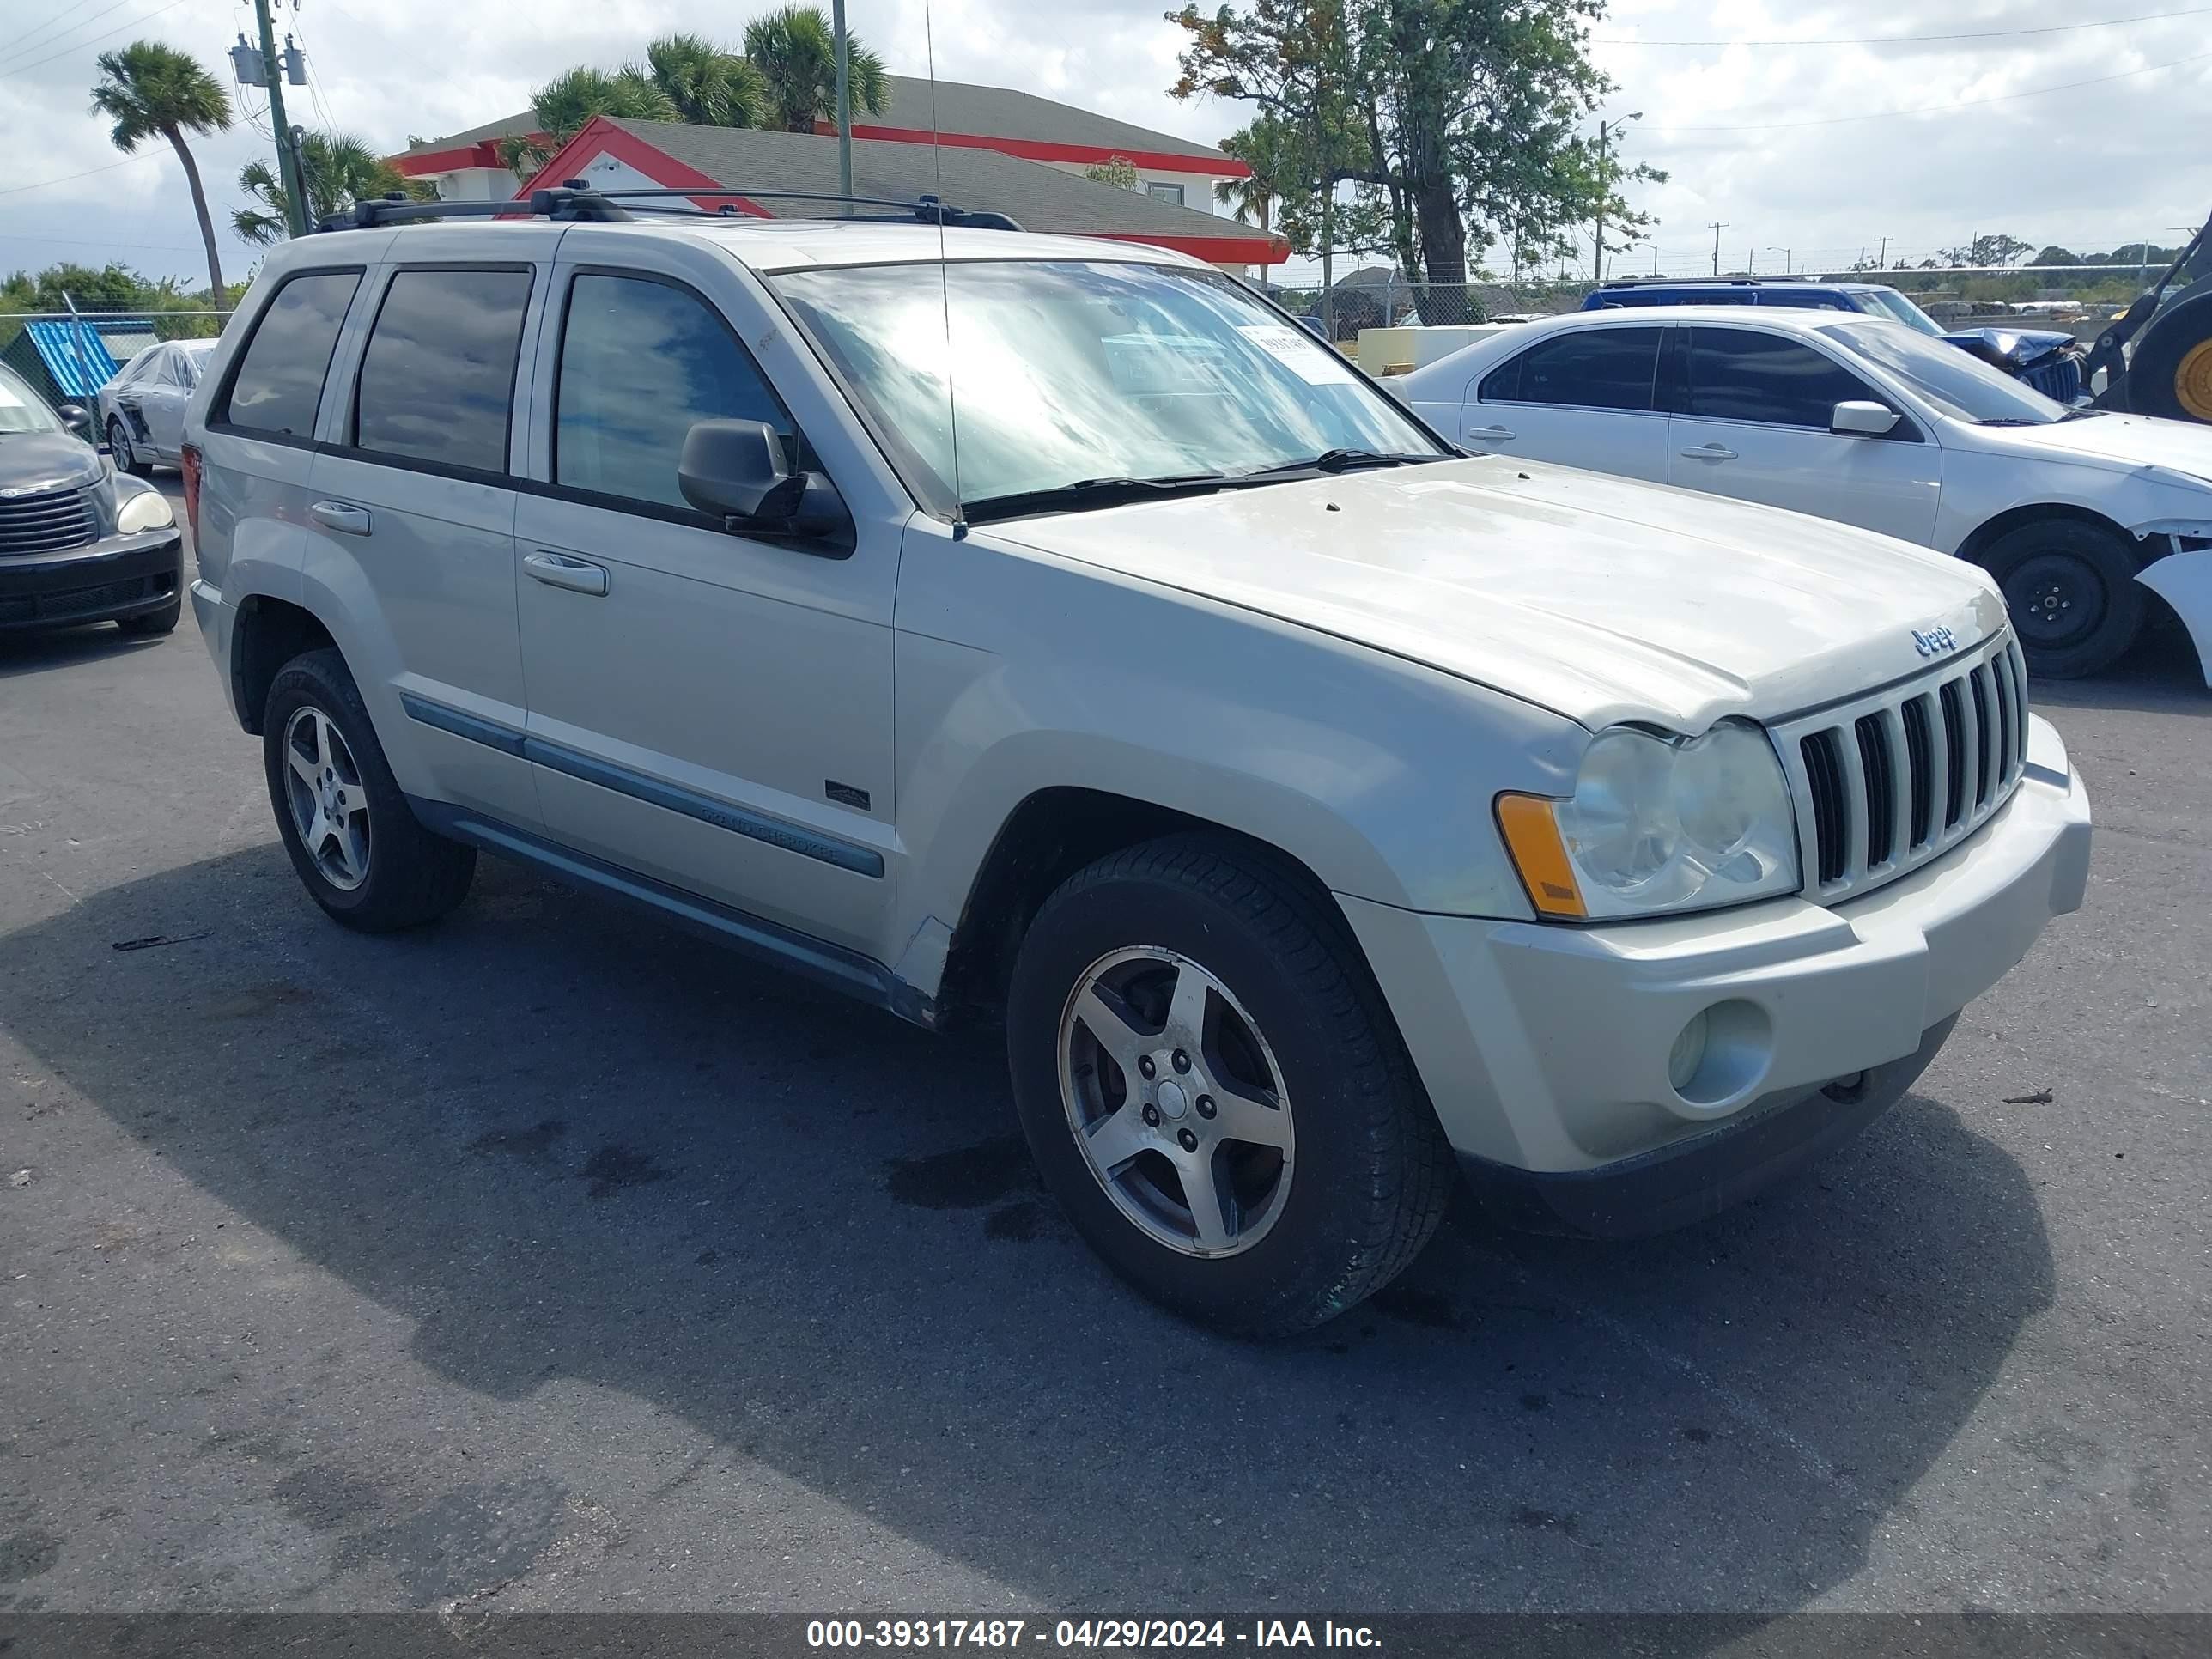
(736, 471)
(75, 418)
(1862, 419)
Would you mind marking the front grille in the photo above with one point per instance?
(50, 522)
(1889, 781)
(2058, 377)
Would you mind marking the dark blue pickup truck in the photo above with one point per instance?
(2045, 359)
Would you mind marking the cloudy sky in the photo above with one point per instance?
(1814, 147)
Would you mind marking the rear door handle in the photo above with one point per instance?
(559, 570)
(1708, 453)
(1495, 434)
(341, 516)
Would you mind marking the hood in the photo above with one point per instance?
(2122, 442)
(33, 461)
(1600, 598)
(2010, 348)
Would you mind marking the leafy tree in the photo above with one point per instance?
(2053, 254)
(709, 87)
(1260, 147)
(338, 170)
(794, 48)
(149, 89)
(1470, 117)
(1990, 250)
(1118, 171)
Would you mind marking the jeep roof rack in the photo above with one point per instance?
(575, 201)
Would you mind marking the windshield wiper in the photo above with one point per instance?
(1333, 461)
(1088, 492)
(2083, 413)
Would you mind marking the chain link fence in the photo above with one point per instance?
(67, 356)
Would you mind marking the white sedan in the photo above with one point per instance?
(2075, 512)
(141, 409)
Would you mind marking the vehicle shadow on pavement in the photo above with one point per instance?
(35, 653)
(569, 1145)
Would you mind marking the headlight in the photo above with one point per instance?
(1657, 826)
(147, 510)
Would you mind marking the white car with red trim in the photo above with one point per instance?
(2076, 512)
(1047, 630)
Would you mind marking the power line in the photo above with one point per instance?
(1938, 109)
(1908, 39)
(20, 47)
(67, 7)
(143, 155)
(120, 29)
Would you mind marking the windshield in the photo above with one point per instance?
(1068, 372)
(22, 409)
(1895, 305)
(1959, 384)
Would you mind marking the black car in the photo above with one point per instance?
(79, 541)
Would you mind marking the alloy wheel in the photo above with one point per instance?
(330, 807)
(1176, 1100)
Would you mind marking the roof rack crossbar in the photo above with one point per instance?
(575, 200)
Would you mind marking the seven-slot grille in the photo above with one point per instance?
(48, 522)
(1886, 783)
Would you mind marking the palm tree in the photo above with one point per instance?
(567, 102)
(709, 87)
(1260, 147)
(338, 170)
(795, 51)
(148, 88)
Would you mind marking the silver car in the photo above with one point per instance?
(141, 410)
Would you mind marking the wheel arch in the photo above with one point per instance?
(1978, 539)
(269, 633)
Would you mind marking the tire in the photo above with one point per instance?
(119, 445)
(1325, 1196)
(2170, 372)
(148, 624)
(2072, 591)
(373, 866)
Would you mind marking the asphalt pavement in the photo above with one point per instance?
(548, 1259)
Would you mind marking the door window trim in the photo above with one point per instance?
(219, 405)
(505, 477)
(1906, 431)
(549, 487)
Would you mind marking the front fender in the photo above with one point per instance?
(1017, 671)
(2183, 580)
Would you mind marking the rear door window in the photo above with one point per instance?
(1736, 375)
(437, 379)
(280, 378)
(1586, 369)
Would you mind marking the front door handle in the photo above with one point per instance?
(341, 516)
(1495, 434)
(559, 570)
(1708, 453)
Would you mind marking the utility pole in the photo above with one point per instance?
(1883, 261)
(1718, 225)
(287, 148)
(1597, 253)
(844, 100)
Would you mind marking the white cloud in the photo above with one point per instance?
(2101, 165)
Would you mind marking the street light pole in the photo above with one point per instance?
(288, 149)
(844, 100)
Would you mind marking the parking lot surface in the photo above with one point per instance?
(548, 1259)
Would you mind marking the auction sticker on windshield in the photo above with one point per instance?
(1314, 364)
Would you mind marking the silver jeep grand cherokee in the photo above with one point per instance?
(1328, 815)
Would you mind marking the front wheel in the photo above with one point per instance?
(119, 445)
(349, 829)
(1214, 1090)
(2072, 592)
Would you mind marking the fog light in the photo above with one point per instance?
(1688, 1053)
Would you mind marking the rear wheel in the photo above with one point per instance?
(349, 829)
(1211, 1087)
(2071, 588)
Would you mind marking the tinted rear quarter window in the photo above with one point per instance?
(437, 379)
(641, 361)
(1739, 375)
(280, 378)
(1590, 368)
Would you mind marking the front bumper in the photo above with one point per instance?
(118, 577)
(1544, 1049)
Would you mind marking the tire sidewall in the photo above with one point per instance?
(120, 445)
(310, 680)
(1330, 1154)
(2100, 561)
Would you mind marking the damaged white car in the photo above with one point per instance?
(2076, 512)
